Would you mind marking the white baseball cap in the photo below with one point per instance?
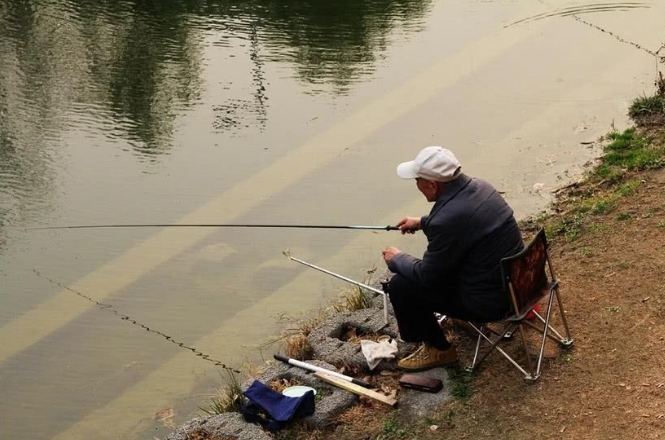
(432, 163)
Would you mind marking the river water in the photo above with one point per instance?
(286, 112)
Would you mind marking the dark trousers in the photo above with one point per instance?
(414, 310)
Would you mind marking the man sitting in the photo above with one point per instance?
(469, 230)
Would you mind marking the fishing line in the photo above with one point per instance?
(109, 308)
(618, 37)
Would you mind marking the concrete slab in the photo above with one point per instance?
(415, 404)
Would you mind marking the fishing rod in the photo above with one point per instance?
(224, 225)
(348, 280)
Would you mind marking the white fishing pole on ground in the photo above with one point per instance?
(348, 280)
(311, 367)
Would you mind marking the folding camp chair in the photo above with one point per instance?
(528, 278)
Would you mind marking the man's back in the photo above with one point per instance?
(469, 230)
(485, 231)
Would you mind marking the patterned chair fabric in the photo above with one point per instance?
(530, 280)
(525, 277)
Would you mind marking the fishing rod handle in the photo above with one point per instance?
(279, 357)
(311, 367)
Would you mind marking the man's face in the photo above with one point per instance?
(429, 188)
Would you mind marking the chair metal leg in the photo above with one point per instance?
(529, 278)
(564, 342)
(529, 363)
(490, 349)
(552, 333)
(568, 341)
(477, 350)
(545, 332)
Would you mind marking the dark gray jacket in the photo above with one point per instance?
(469, 230)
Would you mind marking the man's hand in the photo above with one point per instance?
(409, 225)
(389, 253)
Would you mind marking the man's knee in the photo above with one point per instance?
(405, 295)
(398, 288)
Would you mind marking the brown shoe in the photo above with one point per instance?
(426, 357)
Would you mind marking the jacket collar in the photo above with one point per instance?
(452, 189)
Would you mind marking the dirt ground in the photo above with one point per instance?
(611, 384)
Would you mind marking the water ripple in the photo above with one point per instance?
(583, 9)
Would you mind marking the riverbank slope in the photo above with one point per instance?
(607, 243)
(607, 236)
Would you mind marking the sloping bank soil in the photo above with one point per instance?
(611, 385)
(607, 237)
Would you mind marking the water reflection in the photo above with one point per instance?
(110, 67)
(127, 69)
(134, 65)
(84, 82)
(236, 114)
(144, 63)
(592, 8)
(337, 42)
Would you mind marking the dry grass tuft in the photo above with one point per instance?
(353, 299)
(202, 435)
(297, 347)
(294, 340)
(229, 397)
(363, 420)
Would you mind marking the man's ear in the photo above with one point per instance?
(432, 189)
(440, 186)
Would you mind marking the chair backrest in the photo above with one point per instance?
(525, 276)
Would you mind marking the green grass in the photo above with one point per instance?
(392, 430)
(229, 397)
(570, 227)
(586, 251)
(356, 299)
(460, 384)
(608, 173)
(390, 426)
(624, 216)
(628, 188)
(646, 105)
(627, 151)
(630, 151)
(602, 206)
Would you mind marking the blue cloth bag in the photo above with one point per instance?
(272, 409)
